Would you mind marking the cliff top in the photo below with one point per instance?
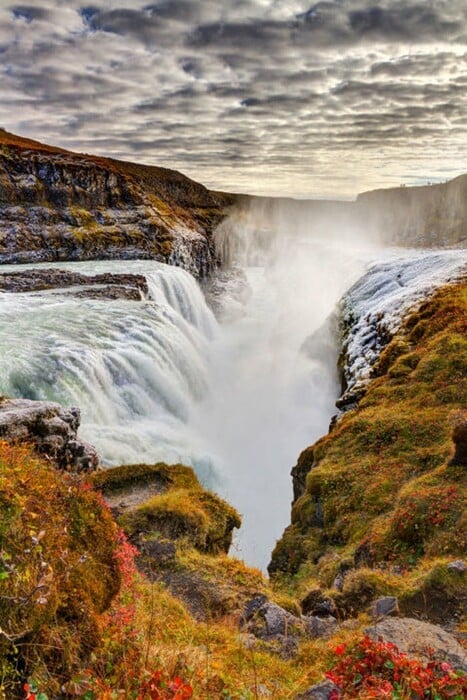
(151, 176)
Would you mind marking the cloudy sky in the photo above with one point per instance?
(261, 96)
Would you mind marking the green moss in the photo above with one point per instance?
(117, 478)
(180, 508)
(385, 492)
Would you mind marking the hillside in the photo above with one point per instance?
(59, 205)
(380, 501)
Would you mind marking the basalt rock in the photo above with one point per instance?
(107, 285)
(51, 429)
(58, 205)
(420, 640)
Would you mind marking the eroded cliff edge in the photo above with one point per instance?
(379, 501)
(58, 205)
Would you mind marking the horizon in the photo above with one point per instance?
(287, 99)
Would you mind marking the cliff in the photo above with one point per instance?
(432, 215)
(415, 217)
(59, 205)
(378, 506)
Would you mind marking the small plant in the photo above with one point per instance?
(371, 669)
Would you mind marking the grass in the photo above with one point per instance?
(380, 491)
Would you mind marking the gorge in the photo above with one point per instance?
(217, 332)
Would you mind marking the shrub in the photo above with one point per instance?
(371, 669)
(58, 569)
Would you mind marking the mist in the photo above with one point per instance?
(273, 365)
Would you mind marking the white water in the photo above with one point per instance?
(161, 379)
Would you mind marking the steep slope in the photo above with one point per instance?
(379, 501)
(59, 205)
(426, 216)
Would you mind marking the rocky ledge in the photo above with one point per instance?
(51, 429)
(105, 285)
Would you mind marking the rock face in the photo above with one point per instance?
(420, 640)
(58, 205)
(107, 285)
(51, 429)
(432, 215)
(459, 438)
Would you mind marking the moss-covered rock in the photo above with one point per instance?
(58, 570)
(167, 502)
(384, 489)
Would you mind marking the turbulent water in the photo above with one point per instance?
(237, 397)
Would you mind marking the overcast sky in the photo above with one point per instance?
(260, 96)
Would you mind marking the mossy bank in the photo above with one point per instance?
(380, 500)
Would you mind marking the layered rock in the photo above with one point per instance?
(106, 285)
(50, 428)
(58, 205)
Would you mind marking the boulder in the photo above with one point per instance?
(384, 606)
(420, 640)
(459, 438)
(51, 429)
(326, 690)
(321, 627)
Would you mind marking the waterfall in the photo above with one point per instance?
(136, 369)
(161, 379)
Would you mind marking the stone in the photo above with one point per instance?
(338, 582)
(458, 565)
(459, 438)
(326, 690)
(418, 639)
(277, 620)
(51, 429)
(253, 606)
(320, 627)
(106, 285)
(384, 606)
(316, 603)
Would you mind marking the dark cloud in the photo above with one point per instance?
(245, 94)
(28, 12)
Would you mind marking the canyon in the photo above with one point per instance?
(205, 339)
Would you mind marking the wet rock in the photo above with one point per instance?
(321, 691)
(420, 640)
(106, 285)
(51, 429)
(384, 606)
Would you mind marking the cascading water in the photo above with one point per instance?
(135, 368)
(162, 380)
